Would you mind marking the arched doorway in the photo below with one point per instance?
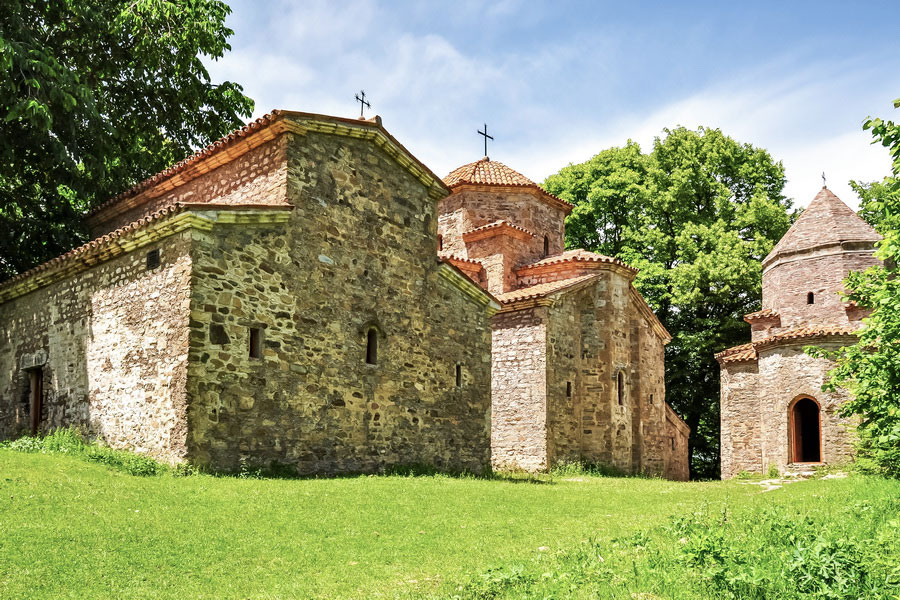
(805, 431)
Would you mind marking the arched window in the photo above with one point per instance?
(458, 375)
(546, 246)
(372, 346)
(810, 298)
(620, 387)
(440, 242)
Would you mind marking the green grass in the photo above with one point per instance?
(76, 528)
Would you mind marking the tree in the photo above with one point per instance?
(870, 369)
(95, 96)
(874, 196)
(696, 215)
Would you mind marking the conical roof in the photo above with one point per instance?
(826, 221)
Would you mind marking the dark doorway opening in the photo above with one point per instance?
(36, 398)
(806, 435)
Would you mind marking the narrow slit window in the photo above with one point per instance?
(620, 387)
(256, 342)
(650, 400)
(153, 259)
(546, 246)
(440, 242)
(568, 389)
(810, 298)
(36, 393)
(372, 347)
(458, 375)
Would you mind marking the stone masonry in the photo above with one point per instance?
(578, 371)
(773, 408)
(272, 300)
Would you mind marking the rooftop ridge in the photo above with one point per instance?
(827, 221)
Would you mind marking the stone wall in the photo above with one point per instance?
(787, 282)
(786, 372)
(677, 464)
(519, 390)
(467, 209)
(257, 177)
(740, 425)
(356, 255)
(115, 341)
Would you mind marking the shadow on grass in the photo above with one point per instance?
(73, 442)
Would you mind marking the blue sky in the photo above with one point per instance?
(557, 82)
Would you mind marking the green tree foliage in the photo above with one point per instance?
(874, 196)
(870, 369)
(696, 215)
(95, 96)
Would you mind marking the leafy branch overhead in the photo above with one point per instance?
(96, 96)
(870, 369)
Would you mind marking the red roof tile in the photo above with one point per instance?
(579, 255)
(97, 243)
(766, 313)
(748, 352)
(542, 289)
(489, 172)
(497, 225)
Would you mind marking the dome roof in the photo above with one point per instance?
(486, 172)
(826, 221)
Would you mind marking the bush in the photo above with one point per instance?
(71, 441)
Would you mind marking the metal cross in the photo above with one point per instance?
(823, 178)
(486, 137)
(363, 103)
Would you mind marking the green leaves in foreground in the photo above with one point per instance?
(758, 553)
(696, 215)
(870, 369)
(96, 96)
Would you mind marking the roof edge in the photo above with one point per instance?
(543, 194)
(254, 134)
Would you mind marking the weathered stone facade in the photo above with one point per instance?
(578, 371)
(297, 315)
(767, 382)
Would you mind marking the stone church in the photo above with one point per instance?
(773, 409)
(578, 370)
(294, 295)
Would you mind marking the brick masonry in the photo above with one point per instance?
(572, 330)
(761, 381)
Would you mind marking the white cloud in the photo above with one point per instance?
(434, 93)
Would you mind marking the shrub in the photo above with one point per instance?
(71, 441)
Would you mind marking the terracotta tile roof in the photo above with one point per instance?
(573, 256)
(455, 258)
(748, 352)
(806, 332)
(741, 353)
(253, 126)
(766, 313)
(826, 221)
(486, 172)
(103, 240)
(498, 225)
(333, 124)
(489, 172)
(542, 289)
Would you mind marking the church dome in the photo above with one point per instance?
(827, 221)
(491, 173)
(486, 172)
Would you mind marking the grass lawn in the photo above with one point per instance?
(73, 529)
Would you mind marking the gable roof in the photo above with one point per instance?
(491, 173)
(826, 221)
(576, 256)
(260, 131)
